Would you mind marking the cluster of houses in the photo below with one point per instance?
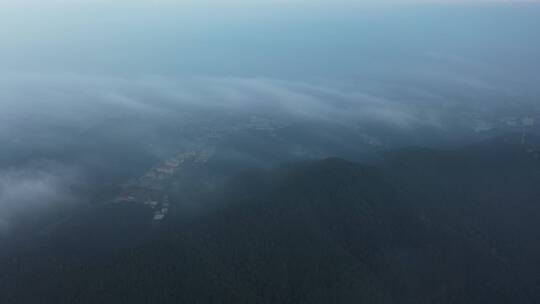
(149, 189)
(160, 208)
(518, 121)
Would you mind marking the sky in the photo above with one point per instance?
(254, 40)
(279, 41)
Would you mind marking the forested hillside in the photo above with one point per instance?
(423, 226)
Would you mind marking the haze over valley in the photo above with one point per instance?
(269, 152)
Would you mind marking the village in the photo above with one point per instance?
(151, 188)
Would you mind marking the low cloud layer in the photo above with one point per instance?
(96, 121)
(34, 190)
(49, 109)
(77, 101)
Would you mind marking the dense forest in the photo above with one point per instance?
(417, 226)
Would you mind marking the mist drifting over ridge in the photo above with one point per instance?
(269, 151)
(128, 71)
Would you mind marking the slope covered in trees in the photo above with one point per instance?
(422, 226)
